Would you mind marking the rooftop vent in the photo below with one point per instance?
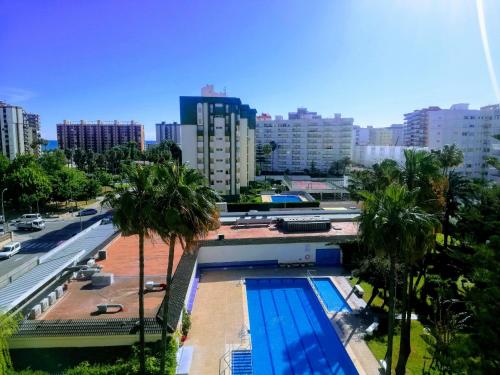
(102, 279)
(153, 286)
(109, 308)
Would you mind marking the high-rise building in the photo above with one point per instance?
(473, 131)
(99, 136)
(416, 127)
(19, 131)
(217, 137)
(168, 132)
(209, 91)
(305, 143)
(303, 114)
(388, 136)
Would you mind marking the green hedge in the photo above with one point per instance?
(267, 206)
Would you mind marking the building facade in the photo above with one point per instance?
(368, 155)
(416, 127)
(99, 136)
(473, 131)
(387, 136)
(19, 131)
(168, 132)
(305, 143)
(217, 136)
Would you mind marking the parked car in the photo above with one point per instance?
(27, 217)
(10, 249)
(30, 224)
(87, 212)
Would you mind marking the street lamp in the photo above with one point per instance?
(3, 210)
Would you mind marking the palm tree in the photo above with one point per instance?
(391, 225)
(457, 188)
(133, 209)
(449, 157)
(266, 151)
(187, 212)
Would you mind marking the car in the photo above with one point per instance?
(2, 219)
(10, 249)
(31, 224)
(27, 217)
(87, 212)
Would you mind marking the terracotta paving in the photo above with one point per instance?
(81, 298)
(220, 313)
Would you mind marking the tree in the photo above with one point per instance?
(267, 151)
(27, 182)
(80, 158)
(134, 209)
(449, 157)
(8, 326)
(374, 270)
(68, 184)
(187, 212)
(457, 189)
(52, 161)
(391, 225)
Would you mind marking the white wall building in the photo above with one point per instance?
(18, 131)
(168, 132)
(370, 154)
(217, 136)
(472, 130)
(303, 142)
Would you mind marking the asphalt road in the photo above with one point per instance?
(34, 244)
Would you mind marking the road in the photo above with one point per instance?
(56, 231)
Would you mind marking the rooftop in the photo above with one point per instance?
(81, 298)
(264, 233)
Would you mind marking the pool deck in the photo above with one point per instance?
(220, 317)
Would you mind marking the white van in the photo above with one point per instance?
(10, 249)
(31, 216)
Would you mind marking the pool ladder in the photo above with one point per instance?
(237, 360)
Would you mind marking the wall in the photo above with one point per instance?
(282, 253)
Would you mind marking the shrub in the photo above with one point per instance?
(186, 322)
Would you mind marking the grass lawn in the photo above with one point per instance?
(378, 344)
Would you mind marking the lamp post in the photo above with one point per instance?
(3, 210)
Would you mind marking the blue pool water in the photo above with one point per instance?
(290, 331)
(285, 198)
(330, 295)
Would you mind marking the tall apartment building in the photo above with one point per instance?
(19, 131)
(300, 143)
(168, 132)
(387, 136)
(416, 127)
(217, 137)
(473, 131)
(303, 114)
(99, 136)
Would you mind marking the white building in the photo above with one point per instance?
(19, 131)
(472, 130)
(371, 154)
(387, 136)
(304, 141)
(416, 125)
(217, 136)
(168, 132)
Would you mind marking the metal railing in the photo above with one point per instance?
(245, 344)
(309, 276)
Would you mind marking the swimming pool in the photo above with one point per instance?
(285, 198)
(331, 297)
(290, 331)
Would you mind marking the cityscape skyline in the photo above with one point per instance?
(330, 72)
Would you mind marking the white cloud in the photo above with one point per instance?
(14, 95)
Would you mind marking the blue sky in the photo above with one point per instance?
(123, 59)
